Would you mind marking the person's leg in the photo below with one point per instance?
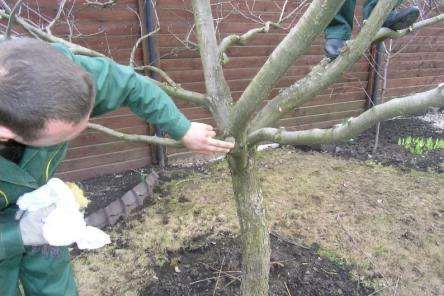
(9, 275)
(46, 271)
(339, 29)
(397, 20)
(342, 24)
(368, 8)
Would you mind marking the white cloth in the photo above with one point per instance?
(64, 225)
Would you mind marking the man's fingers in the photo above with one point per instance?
(220, 144)
(211, 134)
(214, 149)
(208, 127)
(204, 152)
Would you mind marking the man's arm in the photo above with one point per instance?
(120, 86)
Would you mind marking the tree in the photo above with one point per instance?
(247, 122)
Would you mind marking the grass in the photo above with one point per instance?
(384, 222)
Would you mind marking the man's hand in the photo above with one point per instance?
(200, 138)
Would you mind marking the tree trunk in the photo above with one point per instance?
(253, 224)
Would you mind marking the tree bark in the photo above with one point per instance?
(218, 92)
(325, 73)
(253, 223)
(396, 107)
(294, 45)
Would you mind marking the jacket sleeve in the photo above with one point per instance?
(120, 86)
(10, 237)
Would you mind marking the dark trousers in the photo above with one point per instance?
(342, 25)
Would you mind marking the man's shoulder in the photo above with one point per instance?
(63, 49)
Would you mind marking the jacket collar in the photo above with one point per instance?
(14, 174)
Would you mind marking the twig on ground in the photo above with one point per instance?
(283, 261)
(218, 276)
(287, 240)
(286, 287)
(369, 258)
(229, 284)
(220, 273)
(396, 287)
(203, 280)
(379, 290)
(223, 272)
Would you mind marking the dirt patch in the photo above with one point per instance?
(214, 269)
(103, 190)
(389, 152)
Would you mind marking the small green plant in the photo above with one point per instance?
(419, 146)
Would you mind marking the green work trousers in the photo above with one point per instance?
(342, 25)
(42, 271)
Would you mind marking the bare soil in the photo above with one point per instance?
(103, 190)
(214, 269)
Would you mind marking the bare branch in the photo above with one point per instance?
(172, 90)
(57, 17)
(291, 14)
(294, 45)
(283, 11)
(101, 4)
(218, 92)
(136, 138)
(235, 39)
(400, 106)
(187, 43)
(180, 93)
(162, 74)
(325, 73)
(133, 51)
(50, 38)
(385, 33)
(231, 40)
(12, 19)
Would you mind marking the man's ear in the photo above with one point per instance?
(6, 134)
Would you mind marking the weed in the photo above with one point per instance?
(419, 146)
(331, 255)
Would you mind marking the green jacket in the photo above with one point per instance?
(116, 86)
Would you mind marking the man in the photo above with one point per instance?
(340, 28)
(47, 95)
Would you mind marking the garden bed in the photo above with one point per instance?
(295, 269)
(389, 152)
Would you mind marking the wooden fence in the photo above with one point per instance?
(114, 30)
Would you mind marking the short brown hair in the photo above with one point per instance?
(37, 84)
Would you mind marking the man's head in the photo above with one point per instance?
(45, 98)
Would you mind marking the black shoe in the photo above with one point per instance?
(333, 47)
(402, 19)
